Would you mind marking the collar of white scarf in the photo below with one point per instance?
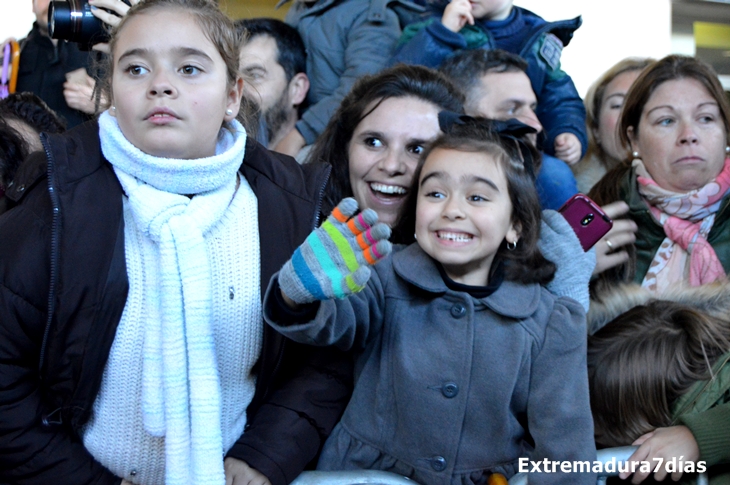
(177, 176)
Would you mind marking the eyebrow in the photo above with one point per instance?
(622, 95)
(467, 178)
(183, 51)
(666, 106)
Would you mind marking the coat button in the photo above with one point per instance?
(450, 389)
(21, 188)
(438, 463)
(458, 310)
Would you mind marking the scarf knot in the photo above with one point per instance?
(687, 219)
(181, 397)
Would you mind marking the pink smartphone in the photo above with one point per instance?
(587, 219)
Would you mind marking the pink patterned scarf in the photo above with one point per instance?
(687, 218)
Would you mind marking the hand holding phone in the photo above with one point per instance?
(587, 219)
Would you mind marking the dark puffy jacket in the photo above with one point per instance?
(559, 106)
(63, 287)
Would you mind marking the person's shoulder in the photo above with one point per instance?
(283, 171)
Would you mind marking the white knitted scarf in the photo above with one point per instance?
(180, 385)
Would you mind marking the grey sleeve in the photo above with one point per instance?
(348, 323)
(559, 411)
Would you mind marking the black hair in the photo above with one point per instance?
(291, 55)
(33, 111)
(366, 95)
(28, 110)
(525, 263)
(466, 68)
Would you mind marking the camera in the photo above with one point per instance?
(72, 20)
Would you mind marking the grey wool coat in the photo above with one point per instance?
(451, 388)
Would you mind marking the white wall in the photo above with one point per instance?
(611, 31)
(16, 18)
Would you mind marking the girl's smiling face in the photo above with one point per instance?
(384, 150)
(464, 213)
(169, 86)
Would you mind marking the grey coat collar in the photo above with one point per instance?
(511, 299)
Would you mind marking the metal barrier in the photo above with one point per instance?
(354, 477)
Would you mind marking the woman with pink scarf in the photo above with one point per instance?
(676, 184)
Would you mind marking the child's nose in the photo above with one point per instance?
(452, 209)
(161, 86)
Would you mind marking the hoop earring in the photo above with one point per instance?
(511, 245)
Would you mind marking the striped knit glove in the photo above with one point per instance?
(334, 261)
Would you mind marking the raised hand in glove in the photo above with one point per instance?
(334, 261)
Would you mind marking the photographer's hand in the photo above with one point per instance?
(112, 19)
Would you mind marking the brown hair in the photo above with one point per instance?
(216, 26)
(668, 69)
(525, 263)
(640, 363)
(594, 99)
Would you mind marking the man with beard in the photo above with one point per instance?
(273, 64)
(496, 86)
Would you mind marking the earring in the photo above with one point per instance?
(415, 236)
(114, 108)
(727, 149)
(229, 112)
(511, 245)
(635, 154)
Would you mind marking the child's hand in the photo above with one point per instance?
(334, 260)
(567, 148)
(238, 472)
(457, 14)
(559, 244)
(664, 443)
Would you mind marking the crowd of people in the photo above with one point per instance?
(234, 251)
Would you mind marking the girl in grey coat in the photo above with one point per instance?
(465, 363)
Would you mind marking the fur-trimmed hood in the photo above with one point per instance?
(713, 299)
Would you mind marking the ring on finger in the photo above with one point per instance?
(609, 244)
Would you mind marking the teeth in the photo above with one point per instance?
(388, 189)
(453, 236)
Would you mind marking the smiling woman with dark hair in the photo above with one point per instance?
(374, 139)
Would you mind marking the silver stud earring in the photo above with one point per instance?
(114, 108)
(229, 112)
(727, 149)
(635, 154)
(415, 236)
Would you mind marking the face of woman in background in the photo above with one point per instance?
(384, 151)
(681, 136)
(610, 112)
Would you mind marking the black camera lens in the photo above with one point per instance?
(72, 20)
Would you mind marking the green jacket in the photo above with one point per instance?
(705, 410)
(651, 234)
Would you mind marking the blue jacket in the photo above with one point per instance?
(559, 106)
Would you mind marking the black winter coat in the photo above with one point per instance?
(63, 287)
(42, 71)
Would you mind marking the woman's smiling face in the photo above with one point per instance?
(384, 150)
